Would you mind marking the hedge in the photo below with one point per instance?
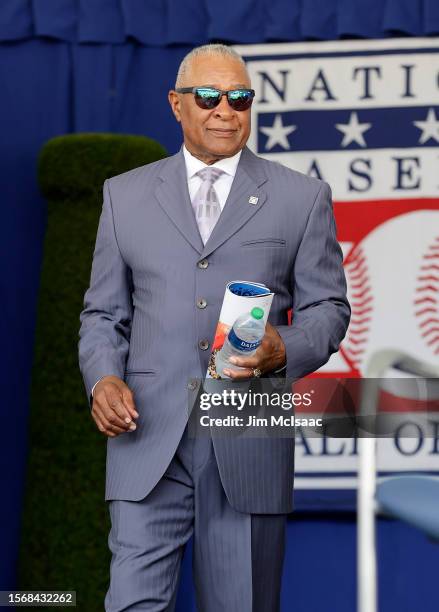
(65, 521)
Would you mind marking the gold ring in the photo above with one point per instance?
(257, 372)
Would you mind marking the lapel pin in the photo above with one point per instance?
(253, 200)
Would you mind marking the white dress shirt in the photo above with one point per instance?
(222, 185)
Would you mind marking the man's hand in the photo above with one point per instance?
(270, 355)
(113, 406)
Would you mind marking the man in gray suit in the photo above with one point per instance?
(171, 235)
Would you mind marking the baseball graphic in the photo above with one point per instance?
(393, 289)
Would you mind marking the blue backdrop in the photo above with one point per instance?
(106, 65)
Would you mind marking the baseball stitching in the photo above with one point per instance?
(426, 301)
(361, 300)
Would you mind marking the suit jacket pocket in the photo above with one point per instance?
(264, 242)
(138, 372)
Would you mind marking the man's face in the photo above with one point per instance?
(220, 132)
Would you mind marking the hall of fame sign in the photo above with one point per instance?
(364, 116)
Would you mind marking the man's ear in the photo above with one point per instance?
(174, 101)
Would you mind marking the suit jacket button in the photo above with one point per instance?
(203, 344)
(203, 263)
(201, 303)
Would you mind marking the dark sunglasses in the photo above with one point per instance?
(209, 97)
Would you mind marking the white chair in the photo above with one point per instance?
(393, 499)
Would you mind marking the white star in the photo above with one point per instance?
(353, 131)
(277, 134)
(429, 127)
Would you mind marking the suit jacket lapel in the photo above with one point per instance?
(238, 209)
(173, 196)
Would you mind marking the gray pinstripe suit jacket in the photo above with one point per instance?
(140, 320)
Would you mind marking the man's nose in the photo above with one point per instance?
(224, 110)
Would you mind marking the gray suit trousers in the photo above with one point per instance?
(237, 557)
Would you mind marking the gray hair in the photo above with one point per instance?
(211, 49)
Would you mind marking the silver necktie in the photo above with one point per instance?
(206, 205)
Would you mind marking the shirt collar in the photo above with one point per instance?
(227, 165)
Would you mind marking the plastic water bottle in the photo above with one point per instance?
(242, 340)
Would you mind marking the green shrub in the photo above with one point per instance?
(65, 519)
(76, 165)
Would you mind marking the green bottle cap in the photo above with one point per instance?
(257, 313)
